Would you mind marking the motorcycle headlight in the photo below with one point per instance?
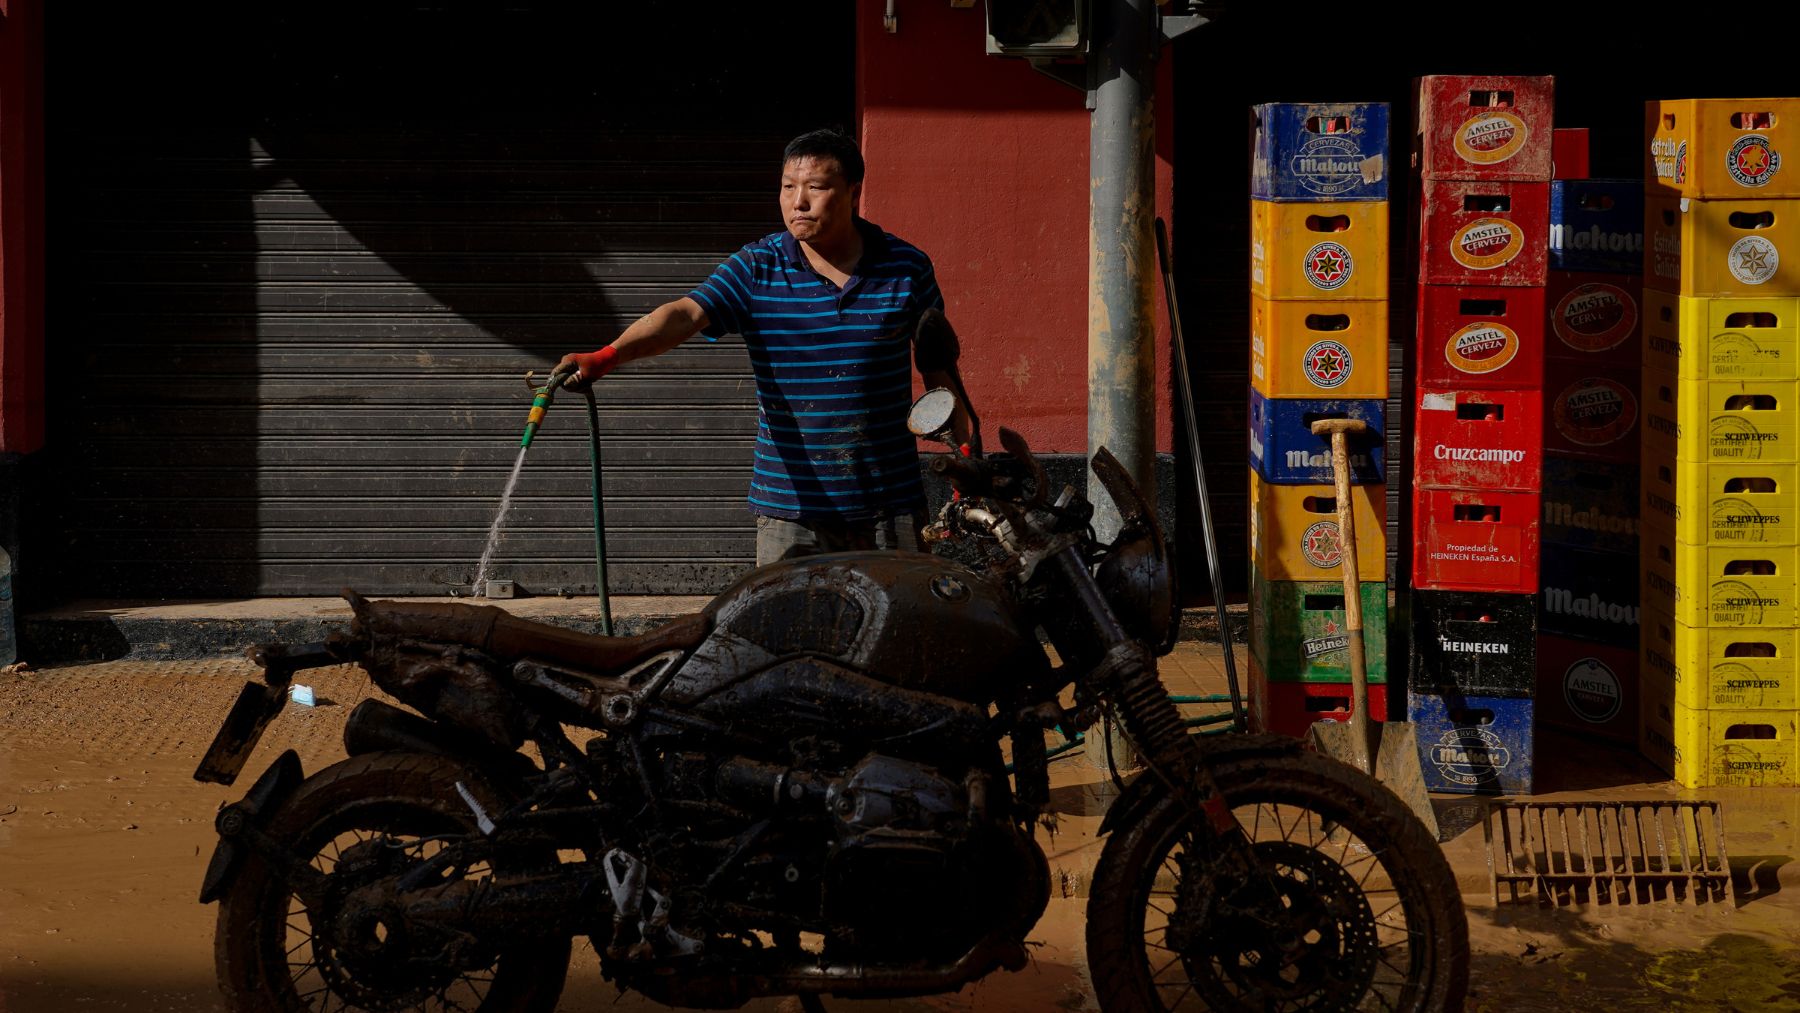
(1139, 583)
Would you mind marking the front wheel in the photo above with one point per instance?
(358, 821)
(1365, 915)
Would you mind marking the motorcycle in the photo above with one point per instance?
(824, 783)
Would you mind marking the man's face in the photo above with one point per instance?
(817, 202)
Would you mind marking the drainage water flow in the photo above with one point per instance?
(479, 589)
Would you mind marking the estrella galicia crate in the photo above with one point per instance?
(1284, 450)
(1597, 225)
(1475, 745)
(1305, 151)
(1590, 595)
(1474, 642)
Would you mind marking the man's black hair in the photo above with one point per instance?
(828, 143)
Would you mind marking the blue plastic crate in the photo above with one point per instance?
(1474, 745)
(1589, 595)
(1589, 505)
(1284, 451)
(1597, 226)
(1304, 151)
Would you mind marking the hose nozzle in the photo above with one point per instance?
(540, 401)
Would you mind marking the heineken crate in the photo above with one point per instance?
(1298, 633)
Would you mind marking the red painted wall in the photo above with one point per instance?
(21, 227)
(982, 162)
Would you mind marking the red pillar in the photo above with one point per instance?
(21, 226)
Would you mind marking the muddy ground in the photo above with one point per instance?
(104, 836)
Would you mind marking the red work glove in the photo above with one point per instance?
(588, 366)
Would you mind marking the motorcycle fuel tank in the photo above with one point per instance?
(907, 619)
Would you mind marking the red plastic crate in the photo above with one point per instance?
(1480, 337)
(1587, 688)
(1484, 233)
(1597, 318)
(1484, 127)
(1591, 411)
(1475, 540)
(1478, 439)
(1290, 708)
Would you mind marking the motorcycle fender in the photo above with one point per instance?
(269, 791)
(1144, 790)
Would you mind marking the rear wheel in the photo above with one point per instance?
(1366, 914)
(359, 821)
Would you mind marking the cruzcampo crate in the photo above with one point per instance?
(1722, 421)
(1298, 631)
(1487, 127)
(1330, 250)
(1720, 504)
(1738, 748)
(1736, 586)
(1722, 248)
(1317, 348)
(1722, 148)
(1294, 531)
(1712, 667)
(1722, 339)
(1597, 225)
(1476, 745)
(1319, 151)
(1587, 688)
(1285, 451)
(1478, 439)
(1589, 505)
(1475, 540)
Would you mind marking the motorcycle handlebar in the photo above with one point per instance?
(967, 474)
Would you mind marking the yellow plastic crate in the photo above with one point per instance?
(1294, 531)
(1721, 338)
(1742, 748)
(1722, 247)
(1722, 421)
(1722, 147)
(1720, 585)
(1323, 250)
(1714, 668)
(1318, 348)
(1719, 504)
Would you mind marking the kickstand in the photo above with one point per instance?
(811, 1004)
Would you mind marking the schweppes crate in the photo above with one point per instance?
(1722, 421)
(1475, 540)
(1478, 439)
(1591, 411)
(1589, 505)
(1324, 151)
(1709, 667)
(1594, 317)
(1656, 717)
(1738, 586)
(1474, 643)
(1332, 250)
(1477, 233)
(1597, 225)
(1298, 634)
(1587, 688)
(1483, 127)
(1290, 708)
(1480, 337)
(1722, 147)
(1294, 531)
(1284, 451)
(1741, 748)
(1722, 248)
(1592, 596)
(1319, 348)
(1720, 504)
(1722, 338)
(1475, 745)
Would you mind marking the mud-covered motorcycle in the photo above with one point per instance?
(825, 783)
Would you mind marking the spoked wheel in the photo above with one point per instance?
(1362, 912)
(360, 822)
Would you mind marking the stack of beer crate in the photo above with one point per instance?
(1721, 440)
(1482, 152)
(1319, 319)
(1588, 607)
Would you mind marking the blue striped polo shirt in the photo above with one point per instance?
(833, 373)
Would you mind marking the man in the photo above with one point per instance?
(827, 309)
